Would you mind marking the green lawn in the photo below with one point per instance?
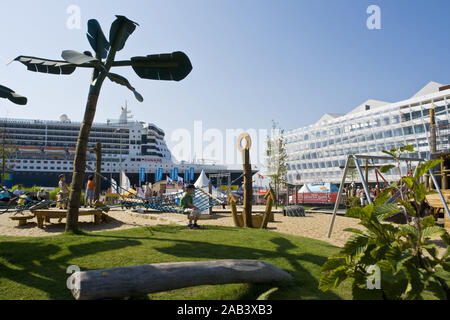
(35, 268)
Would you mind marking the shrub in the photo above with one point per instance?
(408, 263)
(353, 202)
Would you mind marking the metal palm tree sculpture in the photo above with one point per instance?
(174, 66)
(9, 94)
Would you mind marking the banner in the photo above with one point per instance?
(160, 174)
(175, 174)
(192, 177)
(186, 175)
(142, 175)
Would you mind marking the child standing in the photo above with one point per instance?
(90, 187)
(187, 203)
(63, 194)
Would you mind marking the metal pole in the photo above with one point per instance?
(440, 193)
(366, 189)
(338, 200)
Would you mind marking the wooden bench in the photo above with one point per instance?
(435, 201)
(46, 215)
(23, 219)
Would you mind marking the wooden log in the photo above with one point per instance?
(145, 279)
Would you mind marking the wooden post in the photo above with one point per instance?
(367, 172)
(232, 202)
(98, 171)
(296, 195)
(269, 196)
(248, 188)
(443, 175)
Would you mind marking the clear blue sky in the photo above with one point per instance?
(254, 61)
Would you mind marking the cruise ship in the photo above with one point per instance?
(317, 153)
(40, 150)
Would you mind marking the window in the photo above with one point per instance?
(408, 131)
(419, 128)
(417, 114)
(398, 132)
(406, 117)
(379, 135)
(388, 134)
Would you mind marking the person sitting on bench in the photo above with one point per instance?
(187, 204)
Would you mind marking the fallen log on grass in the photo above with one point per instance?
(145, 279)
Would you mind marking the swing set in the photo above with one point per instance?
(378, 175)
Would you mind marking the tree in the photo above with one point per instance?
(9, 94)
(276, 158)
(172, 67)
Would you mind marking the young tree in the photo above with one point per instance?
(175, 67)
(277, 158)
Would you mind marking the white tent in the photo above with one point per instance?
(125, 182)
(203, 182)
(304, 189)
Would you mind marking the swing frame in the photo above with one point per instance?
(366, 188)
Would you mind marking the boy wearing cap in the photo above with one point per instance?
(187, 203)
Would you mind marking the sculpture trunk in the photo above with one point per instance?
(98, 171)
(79, 166)
(248, 190)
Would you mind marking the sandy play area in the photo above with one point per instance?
(314, 225)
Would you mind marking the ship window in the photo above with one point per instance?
(25, 167)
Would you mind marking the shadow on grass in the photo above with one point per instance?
(289, 261)
(43, 266)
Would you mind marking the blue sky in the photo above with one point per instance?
(254, 61)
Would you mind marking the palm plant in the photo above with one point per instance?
(9, 94)
(172, 67)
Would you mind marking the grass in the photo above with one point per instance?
(35, 268)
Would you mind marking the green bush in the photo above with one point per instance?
(353, 202)
(406, 262)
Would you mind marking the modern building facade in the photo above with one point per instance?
(317, 153)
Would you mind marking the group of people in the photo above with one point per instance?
(357, 191)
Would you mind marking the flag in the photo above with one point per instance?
(169, 181)
(180, 181)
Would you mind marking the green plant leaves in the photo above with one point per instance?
(384, 211)
(386, 168)
(409, 148)
(384, 196)
(420, 192)
(425, 167)
(333, 263)
(333, 279)
(432, 231)
(355, 245)
(266, 295)
(408, 206)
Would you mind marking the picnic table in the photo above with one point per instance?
(45, 215)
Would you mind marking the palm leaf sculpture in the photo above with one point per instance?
(172, 67)
(9, 94)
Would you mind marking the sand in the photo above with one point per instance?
(314, 225)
